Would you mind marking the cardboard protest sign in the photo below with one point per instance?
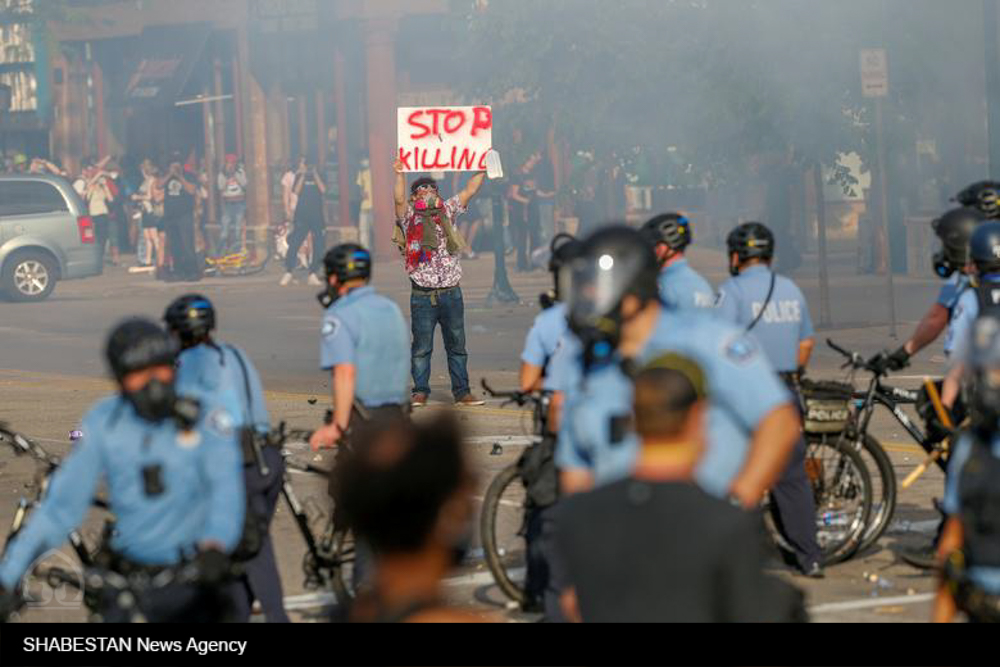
(444, 138)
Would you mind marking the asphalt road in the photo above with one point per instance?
(51, 370)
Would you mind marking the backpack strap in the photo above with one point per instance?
(767, 301)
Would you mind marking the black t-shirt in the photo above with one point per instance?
(177, 202)
(310, 205)
(666, 552)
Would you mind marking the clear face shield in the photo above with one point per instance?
(593, 292)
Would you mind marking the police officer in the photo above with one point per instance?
(984, 196)
(953, 229)
(983, 298)
(549, 326)
(773, 311)
(213, 371)
(536, 465)
(681, 287)
(969, 548)
(619, 322)
(173, 475)
(365, 346)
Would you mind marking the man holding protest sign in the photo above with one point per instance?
(438, 139)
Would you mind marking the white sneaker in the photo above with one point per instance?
(314, 280)
(286, 280)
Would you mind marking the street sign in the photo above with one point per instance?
(874, 73)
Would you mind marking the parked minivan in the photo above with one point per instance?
(45, 236)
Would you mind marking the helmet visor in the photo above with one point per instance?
(594, 287)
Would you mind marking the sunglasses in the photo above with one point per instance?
(423, 188)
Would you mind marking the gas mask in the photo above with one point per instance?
(942, 266)
(330, 295)
(155, 402)
(599, 338)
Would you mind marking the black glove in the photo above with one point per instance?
(896, 361)
(213, 566)
(10, 602)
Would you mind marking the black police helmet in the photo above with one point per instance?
(751, 240)
(191, 316)
(672, 229)
(348, 261)
(984, 247)
(564, 247)
(613, 262)
(137, 344)
(984, 196)
(955, 229)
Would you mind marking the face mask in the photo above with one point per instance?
(328, 297)
(154, 402)
(942, 267)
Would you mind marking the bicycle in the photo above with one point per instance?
(502, 535)
(855, 434)
(24, 446)
(248, 261)
(330, 553)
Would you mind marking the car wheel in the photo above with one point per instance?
(29, 276)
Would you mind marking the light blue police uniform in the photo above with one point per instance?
(785, 322)
(683, 288)
(987, 578)
(742, 386)
(543, 338)
(958, 338)
(201, 474)
(950, 297)
(214, 373)
(367, 330)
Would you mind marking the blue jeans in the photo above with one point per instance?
(427, 310)
(233, 213)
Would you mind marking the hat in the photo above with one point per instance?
(231, 157)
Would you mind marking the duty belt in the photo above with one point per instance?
(970, 598)
(433, 292)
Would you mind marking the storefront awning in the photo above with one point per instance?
(163, 61)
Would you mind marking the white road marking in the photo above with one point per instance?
(866, 603)
(326, 599)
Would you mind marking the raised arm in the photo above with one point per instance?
(399, 190)
(471, 188)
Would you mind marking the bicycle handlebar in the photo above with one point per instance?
(854, 359)
(516, 396)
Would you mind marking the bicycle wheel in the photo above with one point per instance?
(842, 489)
(339, 546)
(883, 489)
(501, 527)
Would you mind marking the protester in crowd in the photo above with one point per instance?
(120, 232)
(289, 199)
(546, 197)
(232, 184)
(655, 547)
(43, 166)
(310, 217)
(93, 187)
(407, 493)
(524, 218)
(178, 221)
(150, 200)
(469, 224)
(431, 245)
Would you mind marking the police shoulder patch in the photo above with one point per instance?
(331, 325)
(220, 423)
(739, 349)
